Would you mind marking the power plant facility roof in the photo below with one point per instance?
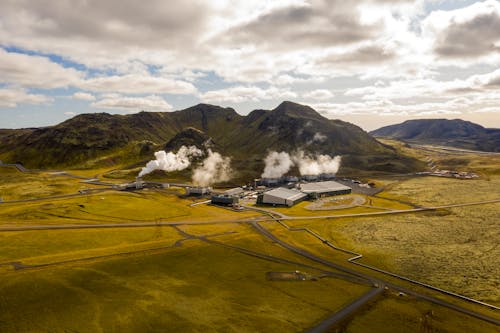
(233, 192)
(324, 187)
(282, 196)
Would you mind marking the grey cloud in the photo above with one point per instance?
(155, 22)
(470, 39)
(322, 24)
(494, 82)
(371, 54)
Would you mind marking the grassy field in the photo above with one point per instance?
(398, 314)
(48, 246)
(172, 290)
(455, 249)
(434, 191)
(484, 164)
(15, 185)
(154, 279)
(114, 207)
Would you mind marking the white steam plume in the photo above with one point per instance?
(215, 168)
(171, 161)
(316, 165)
(277, 164)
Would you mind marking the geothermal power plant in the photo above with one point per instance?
(276, 187)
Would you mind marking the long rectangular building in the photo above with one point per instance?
(322, 189)
(281, 196)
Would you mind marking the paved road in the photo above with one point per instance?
(400, 211)
(20, 266)
(119, 225)
(345, 312)
(376, 282)
(269, 212)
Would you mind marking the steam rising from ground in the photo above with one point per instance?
(316, 165)
(278, 164)
(171, 161)
(215, 168)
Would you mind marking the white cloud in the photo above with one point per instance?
(319, 94)
(384, 107)
(69, 114)
(242, 94)
(98, 33)
(35, 71)
(295, 47)
(138, 84)
(12, 97)
(83, 96)
(469, 33)
(429, 88)
(148, 103)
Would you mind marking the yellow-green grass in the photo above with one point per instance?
(16, 185)
(374, 257)
(434, 191)
(457, 252)
(50, 246)
(244, 235)
(402, 314)
(305, 240)
(455, 249)
(115, 207)
(485, 164)
(194, 288)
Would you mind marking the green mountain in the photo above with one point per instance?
(247, 139)
(190, 137)
(454, 133)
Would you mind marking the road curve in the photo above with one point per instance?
(273, 217)
(376, 282)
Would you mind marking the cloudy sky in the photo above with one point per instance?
(371, 62)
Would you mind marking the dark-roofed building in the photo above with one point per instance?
(322, 189)
(281, 196)
(228, 198)
(198, 191)
(224, 200)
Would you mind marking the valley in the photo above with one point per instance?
(148, 252)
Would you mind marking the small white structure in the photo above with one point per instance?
(281, 196)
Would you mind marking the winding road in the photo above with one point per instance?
(378, 285)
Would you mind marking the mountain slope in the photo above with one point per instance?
(455, 133)
(247, 139)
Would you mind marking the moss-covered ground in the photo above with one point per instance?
(165, 279)
(196, 286)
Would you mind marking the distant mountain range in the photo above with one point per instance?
(247, 139)
(454, 133)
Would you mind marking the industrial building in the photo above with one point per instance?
(327, 176)
(198, 190)
(270, 182)
(227, 198)
(234, 192)
(281, 196)
(291, 179)
(322, 189)
(224, 200)
(310, 178)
